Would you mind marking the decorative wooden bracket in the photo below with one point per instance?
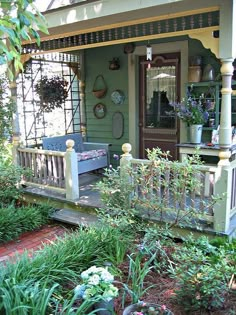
(208, 41)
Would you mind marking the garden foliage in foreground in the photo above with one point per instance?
(201, 268)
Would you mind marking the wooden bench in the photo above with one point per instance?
(90, 155)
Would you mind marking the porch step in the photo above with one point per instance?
(74, 217)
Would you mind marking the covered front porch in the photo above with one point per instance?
(188, 29)
(185, 29)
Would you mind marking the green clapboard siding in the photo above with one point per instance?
(97, 62)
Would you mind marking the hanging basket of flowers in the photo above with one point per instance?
(52, 92)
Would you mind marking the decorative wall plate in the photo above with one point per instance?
(99, 110)
(117, 97)
(117, 125)
(129, 48)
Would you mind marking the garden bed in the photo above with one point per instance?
(178, 271)
(164, 293)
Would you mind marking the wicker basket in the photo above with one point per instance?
(99, 92)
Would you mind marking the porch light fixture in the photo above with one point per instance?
(149, 55)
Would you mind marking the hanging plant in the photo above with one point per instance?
(52, 92)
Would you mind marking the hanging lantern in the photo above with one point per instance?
(149, 55)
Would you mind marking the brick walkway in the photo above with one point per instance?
(31, 241)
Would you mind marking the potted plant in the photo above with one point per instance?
(194, 112)
(97, 285)
(52, 92)
(143, 308)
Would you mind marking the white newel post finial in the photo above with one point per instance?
(72, 178)
(125, 158)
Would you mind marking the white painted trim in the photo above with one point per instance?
(133, 74)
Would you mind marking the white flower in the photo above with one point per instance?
(97, 281)
(85, 274)
(106, 276)
(94, 280)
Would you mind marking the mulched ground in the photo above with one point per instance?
(163, 293)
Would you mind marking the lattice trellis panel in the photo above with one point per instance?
(35, 124)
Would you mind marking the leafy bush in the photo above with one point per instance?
(14, 221)
(202, 276)
(158, 241)
(35, 298)
(7, 108)
(160, 189)
(201, 270)
(10, 177)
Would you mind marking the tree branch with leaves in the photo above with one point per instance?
(19, 20)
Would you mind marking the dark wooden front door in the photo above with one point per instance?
(159, 86)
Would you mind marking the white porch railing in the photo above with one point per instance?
(215, 182)
(52, 169)
(226, 208)
(58, 171)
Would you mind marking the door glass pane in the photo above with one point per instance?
(160, 91)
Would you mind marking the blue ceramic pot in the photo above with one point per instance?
(104, 307)
(136, 307)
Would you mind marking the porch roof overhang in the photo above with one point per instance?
(126, 30)
(98, 14)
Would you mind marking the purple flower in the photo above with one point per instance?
(116, 157)
(193, 111)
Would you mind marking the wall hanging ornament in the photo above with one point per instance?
(149, 55)
(114, 64)
(99, 86)
(117, 125)
(117, 97)
(129, 48)
(99, 110)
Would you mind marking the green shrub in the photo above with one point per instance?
(159, 241)
(14, 221)
(144, 190)
(10, 178)
(7, 108)
(202, 276)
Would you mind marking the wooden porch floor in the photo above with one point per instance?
(88, 196)
(82, 211)
(79, 211)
